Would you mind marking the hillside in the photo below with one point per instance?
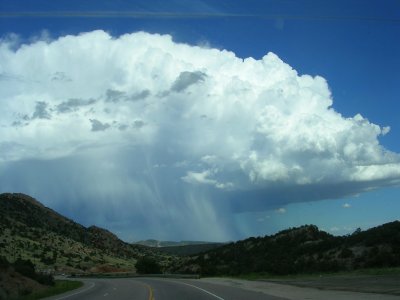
(29, 230)
(304, 249)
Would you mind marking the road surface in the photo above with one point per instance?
(158, 289)
(204, 289)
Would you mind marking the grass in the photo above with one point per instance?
(60, 287)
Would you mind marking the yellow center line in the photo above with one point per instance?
(151, 294)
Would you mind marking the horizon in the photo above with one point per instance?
(217, 120)
(207, 241)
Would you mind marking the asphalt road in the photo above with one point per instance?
(158, 289)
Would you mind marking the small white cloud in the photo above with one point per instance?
(385, 130)
(204, 178)
(281, 210)
(334, 229)
(341, 230)
(209, 159)
(346, 205)
(263, 219)
(198, 177)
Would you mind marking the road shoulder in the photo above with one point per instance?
(295, 292)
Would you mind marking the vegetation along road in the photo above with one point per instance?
(158, 289)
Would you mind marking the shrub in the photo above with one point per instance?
(25, 267)
(147, 265)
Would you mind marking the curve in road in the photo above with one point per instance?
(157, 289)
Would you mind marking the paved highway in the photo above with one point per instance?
(158, 289)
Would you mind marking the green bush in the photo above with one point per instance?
(147, 265)
(25, 267)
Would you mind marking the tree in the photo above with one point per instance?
(147, 265)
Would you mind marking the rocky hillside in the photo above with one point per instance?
(304, 249)
(29, 230)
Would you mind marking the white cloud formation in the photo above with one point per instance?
(242, 128)
(346, 205)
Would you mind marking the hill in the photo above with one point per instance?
(54, 243)
(186, 250)
(305, 249)
(160, 244)
(182, 248)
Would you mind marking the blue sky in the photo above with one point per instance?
(353, 45)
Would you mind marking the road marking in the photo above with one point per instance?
(151, 296)
(205, 291)
(67, 296)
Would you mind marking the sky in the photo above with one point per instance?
(203, 120)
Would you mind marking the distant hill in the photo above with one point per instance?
(304, 249)
(29, 230)
(190, 249)
(182, 248)
(158, 244)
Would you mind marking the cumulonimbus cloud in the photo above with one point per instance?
(214, 120)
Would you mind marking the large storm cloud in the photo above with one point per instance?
(186, 134)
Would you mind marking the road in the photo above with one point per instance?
(158, 289)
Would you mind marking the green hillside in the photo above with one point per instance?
(29, 230)
(304, 249)
(53, 243)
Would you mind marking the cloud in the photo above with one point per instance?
(138, 96)
(73, 105)
(263, 219)
(334, 229)
(60, 76)
(41, 111)
(116, 96)
(232, 134)
(204, 178)
(99, 126)
(345, 230)
(346, 205)
(186, 79)
(281, 210)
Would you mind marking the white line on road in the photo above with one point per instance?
(67, 296)
(205, 291)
